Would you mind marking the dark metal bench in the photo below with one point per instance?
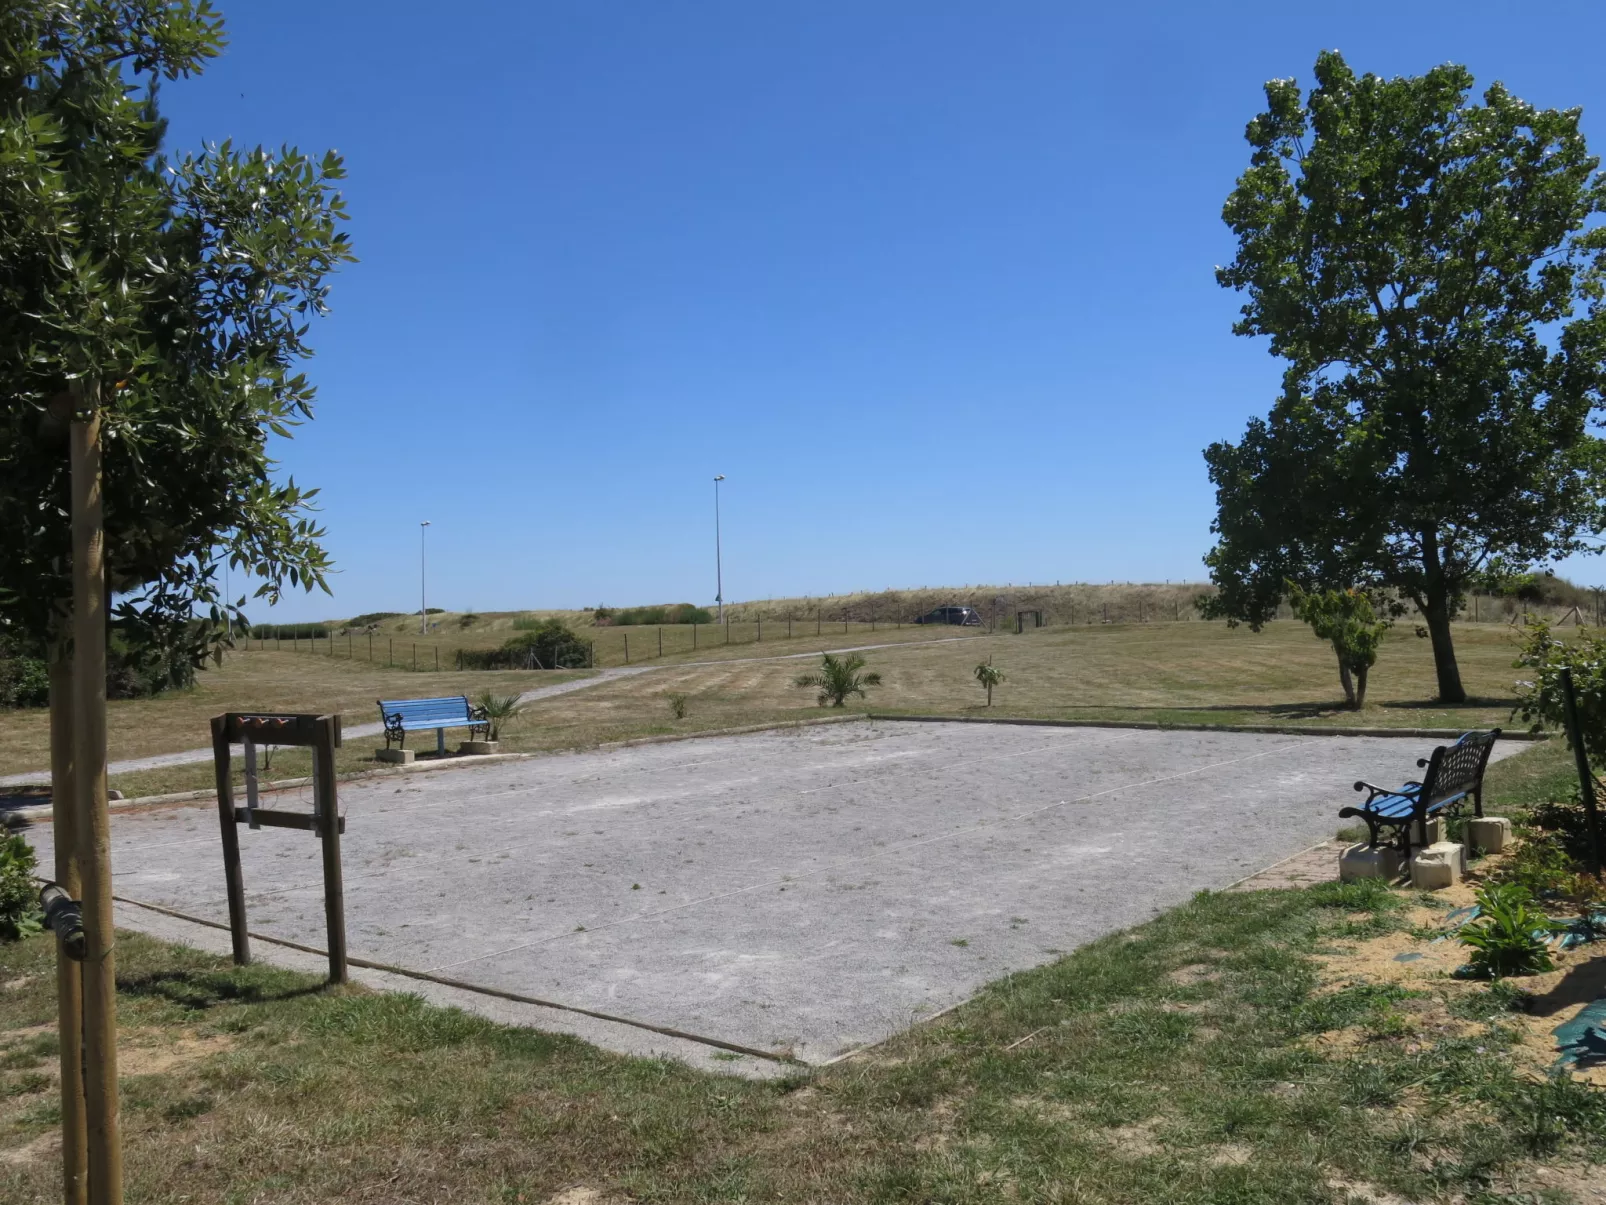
(402, 716)
(1454, 775)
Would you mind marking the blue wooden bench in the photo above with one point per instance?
(1454, 776)
(401, 716)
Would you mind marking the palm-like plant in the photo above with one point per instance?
(989, 677)
(498, 710)
(839, 677)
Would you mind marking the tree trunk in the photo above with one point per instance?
(989, 696)
(1360, 685)
(1349, 683)
(1437, 615)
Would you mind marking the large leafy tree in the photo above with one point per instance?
(1431, 271)
(172, 291)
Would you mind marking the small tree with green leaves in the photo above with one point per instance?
(1544, 655)
(989, 676)
(1347, 620)
(498, 711)
(839, 679)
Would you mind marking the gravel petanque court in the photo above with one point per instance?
(803, 892)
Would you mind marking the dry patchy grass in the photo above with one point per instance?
(1161, 672)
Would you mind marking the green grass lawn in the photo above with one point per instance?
(1181, 1062)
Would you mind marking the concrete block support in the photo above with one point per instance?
(1439, 865)
(1429, 832)
(480, 747)
(402, 757)
(1369, 862)
(1491, 834)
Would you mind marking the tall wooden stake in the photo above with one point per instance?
(1586, 780)
(69, 977)
(334, 896)
(104, 1142)
(232, 878)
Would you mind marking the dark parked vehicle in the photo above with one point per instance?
(959, 616)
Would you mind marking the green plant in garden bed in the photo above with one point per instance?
(19, 896)
(1511, 937)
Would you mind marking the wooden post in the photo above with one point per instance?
(232, 878)
(69, 978)
(102, 1127)
(415, 655)
(370, 648)
(627, 647)
(437, 658)
(328, 811)
(660, 641)
(694, 635)
(1586, 780)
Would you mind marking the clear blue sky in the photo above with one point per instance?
(931, 282)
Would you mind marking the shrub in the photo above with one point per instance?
(1510, 937)
(667, 613)
(677, 704)
(548, 644)
(368, 619)
(24, 680)
(499, 710)
(1545, 655)
(838, 678)
(19, 898)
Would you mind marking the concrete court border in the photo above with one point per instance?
(776, 1061)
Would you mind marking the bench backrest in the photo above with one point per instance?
(447, 710)
(1453, 770)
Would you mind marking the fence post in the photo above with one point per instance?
(627, 647)
(816, 623)
(694, 635)
(437, 658)
(370, 648)
(415, 654)
(727, 631)
(390, 654)
(761, 631)
(660, 640)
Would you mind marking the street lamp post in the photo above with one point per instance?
(423, 609)
(719, 569)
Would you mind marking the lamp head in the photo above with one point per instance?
(720, 477)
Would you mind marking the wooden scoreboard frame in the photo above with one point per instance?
(321, 734)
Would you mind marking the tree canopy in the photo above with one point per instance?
(171, 292)
(1431, 271)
